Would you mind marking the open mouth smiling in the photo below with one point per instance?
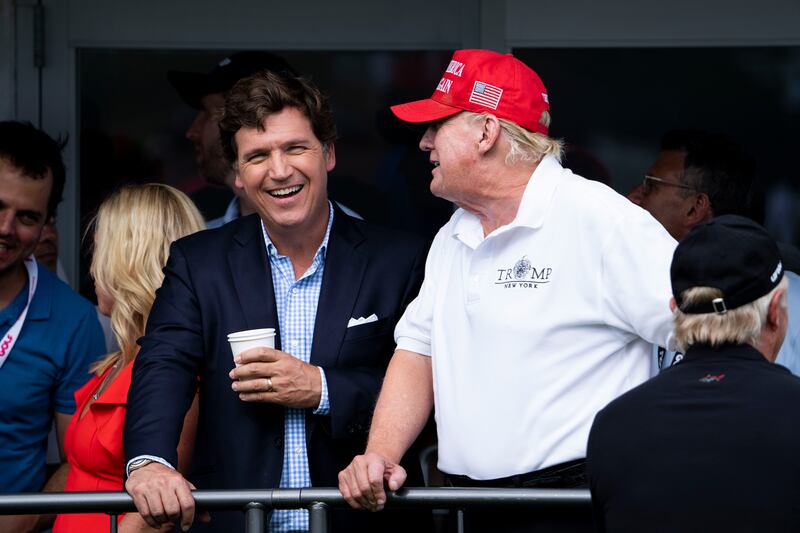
(285, 192)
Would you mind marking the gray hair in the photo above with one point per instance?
(526, 146)
(742, 325)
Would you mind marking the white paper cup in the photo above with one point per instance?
(251, 338)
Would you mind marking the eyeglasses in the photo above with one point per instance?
(650, 183)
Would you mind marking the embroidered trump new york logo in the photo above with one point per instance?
(485, 94)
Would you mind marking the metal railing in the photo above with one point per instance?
(255, 503)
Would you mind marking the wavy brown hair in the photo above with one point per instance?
(265, 93)
(133, 231)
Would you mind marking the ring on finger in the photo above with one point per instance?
(270, 388)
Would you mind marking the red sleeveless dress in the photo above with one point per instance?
(93, 444)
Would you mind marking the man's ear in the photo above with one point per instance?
(237, 182)
(775, 310)
(672, 305)
(330, 157)
(700, 210)
(490, 132)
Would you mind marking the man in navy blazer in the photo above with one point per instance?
(332, 286)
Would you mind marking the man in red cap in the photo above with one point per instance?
(542, 296)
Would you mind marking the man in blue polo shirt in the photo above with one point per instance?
(50, 335)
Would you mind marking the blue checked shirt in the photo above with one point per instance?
(296, 301)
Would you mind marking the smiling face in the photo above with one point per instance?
(284, 172)
(23, 212)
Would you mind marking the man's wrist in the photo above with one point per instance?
(323, 405)
(149, 460)
(385, 455)
(138, 463)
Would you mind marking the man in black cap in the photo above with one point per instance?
(709, 444)
(206, 93)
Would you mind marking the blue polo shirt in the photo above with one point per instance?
(61, 337)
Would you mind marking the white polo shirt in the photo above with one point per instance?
(536, 327)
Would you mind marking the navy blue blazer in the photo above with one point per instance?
(219, 281)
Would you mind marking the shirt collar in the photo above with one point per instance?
(232, 212)
(272, 252)
(538, 193)
(42, 298)
(11, 312)
(739, 351)
(532, 208)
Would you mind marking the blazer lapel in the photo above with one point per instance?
(252, 277)
(344, 271)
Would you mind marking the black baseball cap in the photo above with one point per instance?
(730, 253)
(193, 86)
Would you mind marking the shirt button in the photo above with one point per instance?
(298, 450)
(294, 344)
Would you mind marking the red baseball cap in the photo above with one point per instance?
(483, 81)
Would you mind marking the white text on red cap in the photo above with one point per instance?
(455, 68)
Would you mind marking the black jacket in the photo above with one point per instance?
(711, 444)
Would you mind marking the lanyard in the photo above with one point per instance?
(10, 339)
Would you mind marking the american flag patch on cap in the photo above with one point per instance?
(485, 94)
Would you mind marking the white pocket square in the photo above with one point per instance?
(361, 321)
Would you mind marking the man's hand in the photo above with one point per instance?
(361, 483)
(268, 375)
(134, 523)
(162, 495)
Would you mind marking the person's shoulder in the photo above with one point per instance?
(385, 237)
(635, 403)
(604, 211)
(211, 239)
(596, 197)
(779, 379)
(63, 299)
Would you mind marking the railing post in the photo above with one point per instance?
(113, 526)
(254, 518)
(318, 518)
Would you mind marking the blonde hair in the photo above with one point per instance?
(133, 230)
(742, 325)
(526, 146)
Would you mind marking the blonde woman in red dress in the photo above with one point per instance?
(133, 231)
